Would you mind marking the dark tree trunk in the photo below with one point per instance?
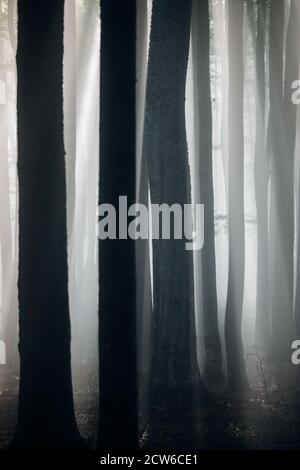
(237, 381)
(282, 128)
(46, 413)
(143, 278)
(261, 174)
(175, 377)
(117, 300)
(213, 373)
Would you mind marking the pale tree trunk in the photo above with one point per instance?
(11, 12)
(237, 381)
(261, 174)
(8, 316)
(70, 68)
(8, 260)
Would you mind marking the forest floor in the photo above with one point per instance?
(268, 418)
(85, 397)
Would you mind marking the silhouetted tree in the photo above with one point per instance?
(213, 373)
(175, 378)
(117, 300)
(237, 381)
(290, 121)
(46, 413)
(282, 131)
(143, 278)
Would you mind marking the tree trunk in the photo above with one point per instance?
(11, 7)
(261, 175)
(46, 413)
(282, 128)
(213, 373)
(117, 300)
(237, 381)
(175, 377)
(143, 277)
(8, 311)
(70, 94)
(290, 119)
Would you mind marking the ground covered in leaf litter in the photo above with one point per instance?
(268, 418)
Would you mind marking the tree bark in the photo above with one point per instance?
(117, 297)
(175, 378)
(213, 373)
(290, 119)
(45, 413)
(282, 129)
(143, 277)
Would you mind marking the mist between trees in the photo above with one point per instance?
(169, 102)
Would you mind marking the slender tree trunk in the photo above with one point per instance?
(84, 265)
(10, 294)
(87, 17)
(46, 413)
(70, 68)
(117, 300)
(237, 381)
(6, 241)
(282, 128)
(261, 174)
(141, 58)
(11, 10)
(223, 9)
(213, 373)
(175, 377)
(11, 322)
(290, 119)
(143, 278)
(70, 135)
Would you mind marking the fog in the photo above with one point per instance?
(81, 111)
(280, 188)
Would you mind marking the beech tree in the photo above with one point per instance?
(282, 132)
(213, 373)
(261, 172)
(45, 412)
(175, 380)
(236, 374)
(143, 277)
(117, 297)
